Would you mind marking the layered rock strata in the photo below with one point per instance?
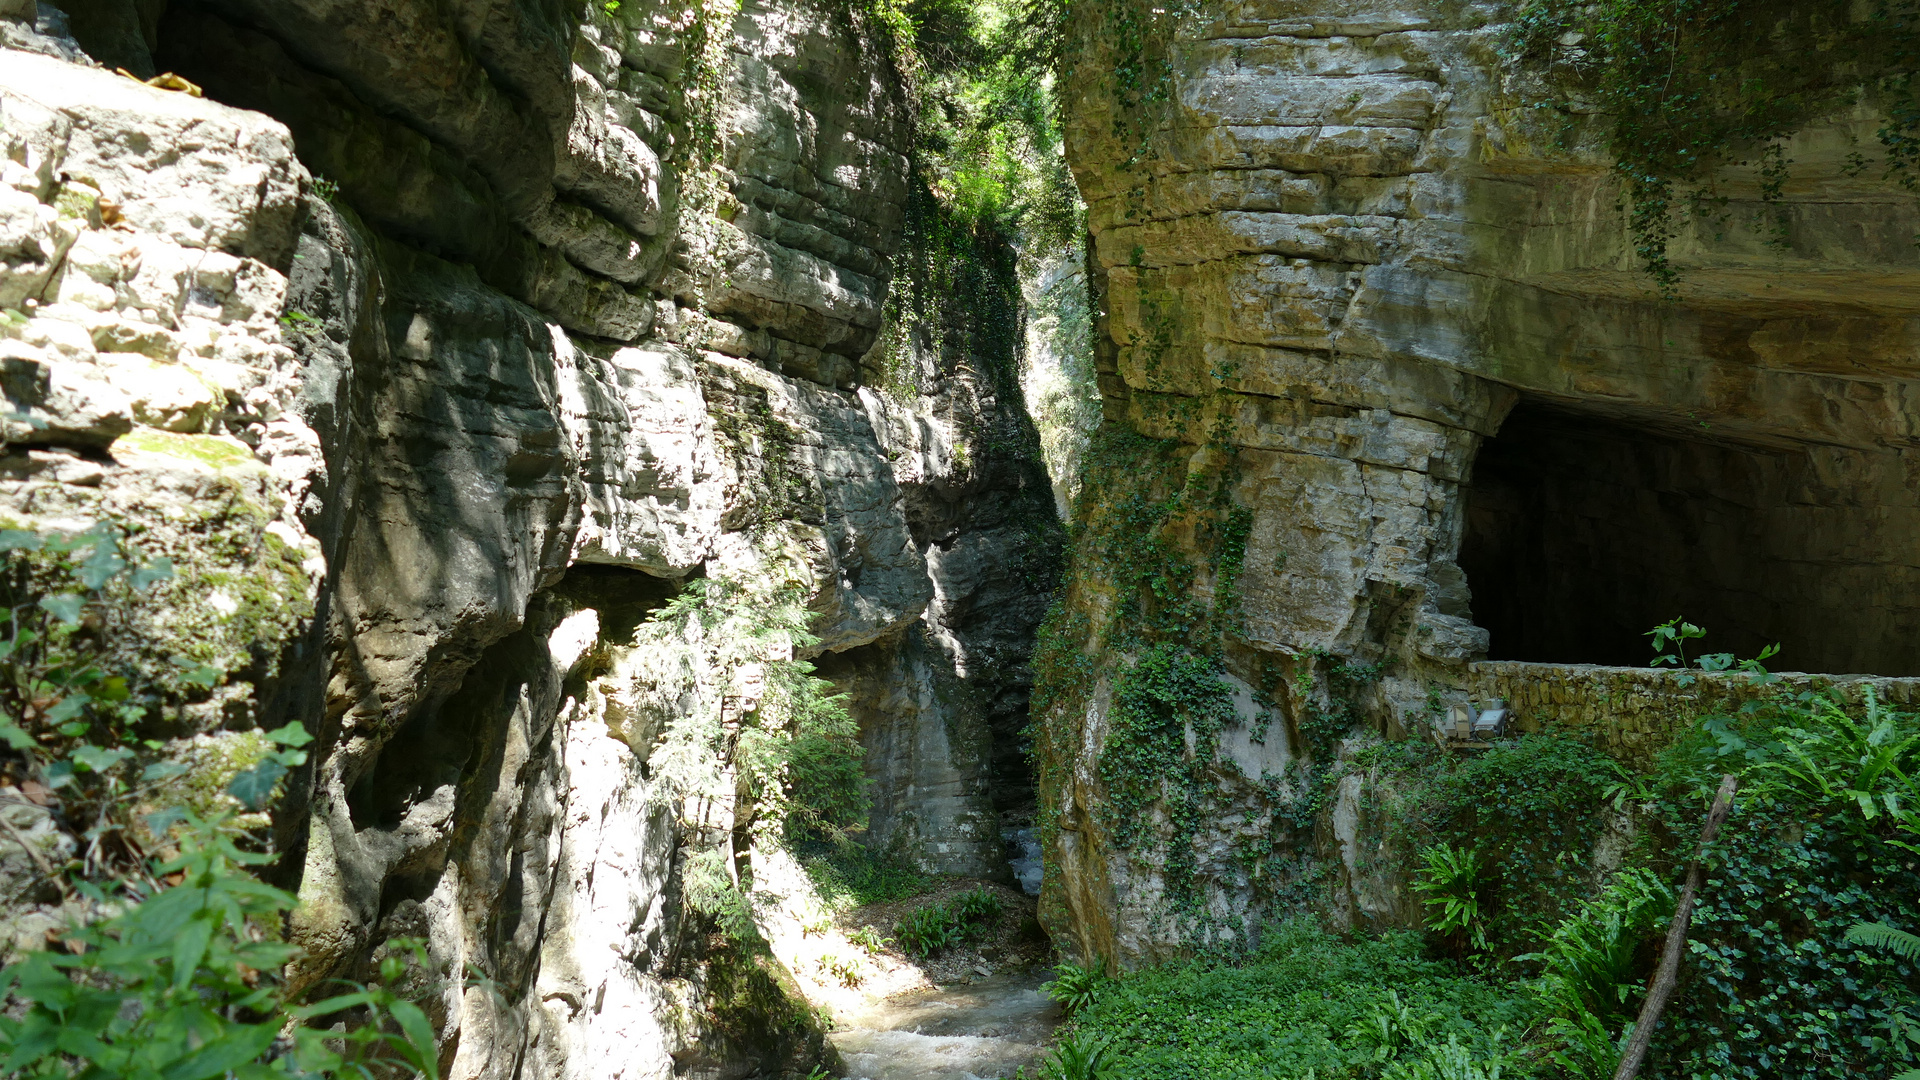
(494, 326)
(1337, 256)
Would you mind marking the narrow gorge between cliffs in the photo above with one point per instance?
(959, 539)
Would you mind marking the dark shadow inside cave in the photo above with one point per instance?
(1585, 531)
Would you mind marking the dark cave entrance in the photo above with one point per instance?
(1584, 531)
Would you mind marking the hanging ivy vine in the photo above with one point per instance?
(1692, 87)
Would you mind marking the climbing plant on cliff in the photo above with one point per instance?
(1124, 48)
(1692, 87)
(1166, 616)
(740, 717)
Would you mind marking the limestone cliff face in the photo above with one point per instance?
(1412, 330)
(500, 320)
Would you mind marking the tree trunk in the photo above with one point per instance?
(1668, 973)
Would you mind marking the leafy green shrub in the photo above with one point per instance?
(1529, 809)
(708, 889)
(76, 695)
(1903, 1024)
(1077, 1056)
(1775, 990)
(179, 985)
(1813, 846)
(794, 758)
(1450, 1061)
(179, 982)
(1304, 1006)
(976, 906)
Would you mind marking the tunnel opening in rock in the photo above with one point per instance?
(1584, 531)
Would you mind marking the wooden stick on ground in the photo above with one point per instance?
(1668, 973)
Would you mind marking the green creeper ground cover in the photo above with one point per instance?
(1308, 1004)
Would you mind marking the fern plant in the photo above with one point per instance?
(1078, 1056)
(1074, 987)
(1592, 969)
(1885, 938)
(1450, 884)
(928, 930)
(1866, 761)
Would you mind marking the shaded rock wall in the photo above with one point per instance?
(1340, 251)
(554, 309)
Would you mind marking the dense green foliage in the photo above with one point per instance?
(849, 874)
(1593, 967)
(1074, 987)
(1308, 1004)
(1141, 511)
(1779, 980)
(1450, 885)
(1527, 810)
(1693, 86)
(170, 967)
(1817, 843)
(177, 985)
(989, 177)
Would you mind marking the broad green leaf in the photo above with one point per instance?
(238, 1045)
(65, 607)
(160, 821)
(19, 540)
(76, 1040)
(153, 573)
(14, 736)
(35, 1040)
(101, 566)
(99, 759)
(188, 949)
(329, 1006)
(420, 1034)
(294, 734)
(163, 770)
(255, 786)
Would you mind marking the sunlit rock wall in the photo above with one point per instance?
(495, 322)
(1344, 241)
